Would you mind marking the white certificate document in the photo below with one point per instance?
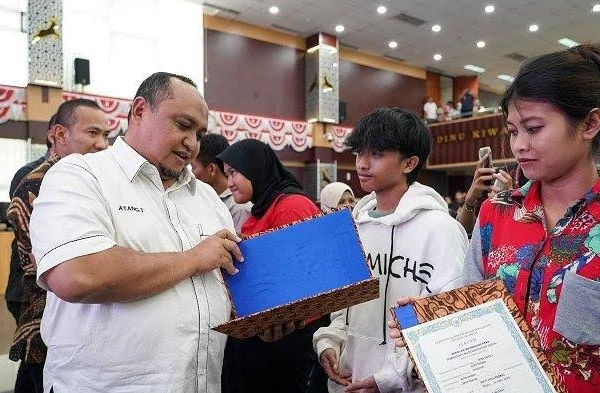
(476, 350)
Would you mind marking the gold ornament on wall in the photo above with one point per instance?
(51, 31)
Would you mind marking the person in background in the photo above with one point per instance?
(80, 127)
(467, 100)
(14, 288)
(459, 198)
(411, 243)
(450, 202)
(208, 169)
(336, 195)
(430, 110)
(129, 246)
(543, 239)
(279, 359)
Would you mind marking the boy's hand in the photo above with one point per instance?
(331, 367)
(394, 328)
(367, 385)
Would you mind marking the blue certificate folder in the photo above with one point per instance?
(307, 269)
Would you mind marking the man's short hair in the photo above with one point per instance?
(156, 88)
(51, 124)
(212, 145)
(393, 129)
(65, 115)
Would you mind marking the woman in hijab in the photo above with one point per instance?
(336, 195)
(269, 363)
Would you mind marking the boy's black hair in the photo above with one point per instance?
(393, 129)
(211, 145)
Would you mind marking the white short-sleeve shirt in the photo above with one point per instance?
(163, 343)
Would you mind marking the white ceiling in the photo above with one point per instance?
(463, 22)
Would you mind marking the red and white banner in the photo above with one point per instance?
(339, 135)
(12, 103)
(276, 133)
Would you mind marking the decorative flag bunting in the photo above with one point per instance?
(277, 133)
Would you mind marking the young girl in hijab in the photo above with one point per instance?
(267, 364)
(336, 195)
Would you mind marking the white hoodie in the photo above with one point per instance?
(427, 249)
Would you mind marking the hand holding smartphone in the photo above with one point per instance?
(486, 150)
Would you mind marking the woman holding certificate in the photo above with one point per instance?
(543, 239)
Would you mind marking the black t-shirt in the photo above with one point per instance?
(467, 103)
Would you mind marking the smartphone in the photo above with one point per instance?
(486, 150)
(482, 152)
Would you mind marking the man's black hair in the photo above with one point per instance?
(212, 145)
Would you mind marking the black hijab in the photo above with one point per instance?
(259, 164)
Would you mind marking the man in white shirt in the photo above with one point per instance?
(208, 169)
(128, 244)
(430, 109)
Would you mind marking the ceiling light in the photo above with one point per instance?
(489, 9)
(335, 65)
(340, 28)
(437, 57)
(596, 8)
(481, 44)
(534, 28)
(436, 28)
(505, 77)
(381, 10)
(475, 68)
(274, 9)
(569, 43)
(393, 44)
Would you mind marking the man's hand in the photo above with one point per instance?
(367, 385)
(216, 251)
(278, 331)
(331, 367)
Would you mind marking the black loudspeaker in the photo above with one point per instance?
(342, 111)
(82, 71)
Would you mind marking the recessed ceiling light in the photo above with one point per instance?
(475, 68)
(596, 8)
(393, 44)
(274, 9)
(480, 44)
(505, 77)
(335, 65)
(489, 9)
(569, 43)
(436, 28)
(534, 28)
(437, 57)
(340, 28)
(381, 10)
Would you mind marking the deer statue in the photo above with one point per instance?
(51, 31)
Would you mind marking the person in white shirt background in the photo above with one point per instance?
(430, 110)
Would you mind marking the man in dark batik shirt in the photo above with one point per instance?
(80, 127)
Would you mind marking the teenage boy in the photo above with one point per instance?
(411, 242)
